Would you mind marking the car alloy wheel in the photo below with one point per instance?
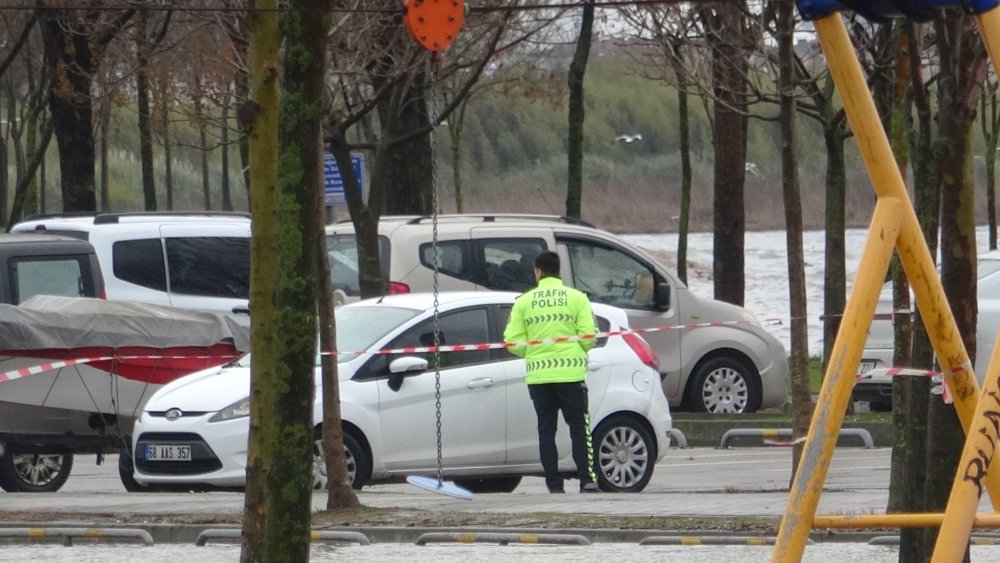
(624, 454)
(34, 472)
(354, 456)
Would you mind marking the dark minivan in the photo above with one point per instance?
(32, 264)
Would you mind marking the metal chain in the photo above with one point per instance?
(437, 258)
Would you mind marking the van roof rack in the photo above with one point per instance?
(494, 217)
(105, 218)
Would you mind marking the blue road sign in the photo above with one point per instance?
(334, 183)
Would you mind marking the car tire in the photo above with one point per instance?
(724, 385)
(624, 455)
(126, 472)
(489, 484)
(22, 472)
(359, 465)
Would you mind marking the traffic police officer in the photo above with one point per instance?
(556, 372)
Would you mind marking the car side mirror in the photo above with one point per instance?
(401, 367)
(661, 297)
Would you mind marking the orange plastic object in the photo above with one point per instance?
(434, 24)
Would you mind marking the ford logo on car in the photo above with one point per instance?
(174, 414)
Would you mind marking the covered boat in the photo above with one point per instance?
(75, 372)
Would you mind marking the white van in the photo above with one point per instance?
(734, 366)
(189, 260)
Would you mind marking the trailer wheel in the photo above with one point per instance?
(27, 472)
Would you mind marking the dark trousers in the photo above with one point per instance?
(571, 398)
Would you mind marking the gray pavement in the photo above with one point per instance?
(689, 482)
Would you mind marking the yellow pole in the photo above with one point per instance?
(913, 251)
(967, 488)
(917, 520)
(916, 259)
(838, 381)
(989, 30)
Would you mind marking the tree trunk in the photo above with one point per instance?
(105, 117)
(363, 217)
(205, 183)
(168, 161)
(989, 121)
(227, 200)
(902, 474)
(798, 365)
(22, 189)
(340, 494)
(35, 151)
(958, 83)
(410, 168)
(300, 177)
(574, 141)
(455, 125)
(259, 121)
(142, 101)
(915, 400)
(70, 55)
(729, 68)
(684, 132)
(834, 276)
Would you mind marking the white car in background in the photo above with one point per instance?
(874, 387)
(194, 431)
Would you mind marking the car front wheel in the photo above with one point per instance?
(625, 453)
(724, 386)
(358, 464)
(22, 472)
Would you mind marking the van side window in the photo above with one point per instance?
(608, 275)
(454, 259)
(140, 262)
(69, 277)
(510, 263)
(212, 266)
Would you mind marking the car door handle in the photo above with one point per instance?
(477, 383)
(594, 366)
(241, 310)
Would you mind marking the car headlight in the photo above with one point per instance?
(239, 409)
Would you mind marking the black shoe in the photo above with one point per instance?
(589, 488)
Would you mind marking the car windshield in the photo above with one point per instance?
(358, 328)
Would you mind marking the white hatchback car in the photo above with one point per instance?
(194, 431)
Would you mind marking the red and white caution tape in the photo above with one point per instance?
(501, 345)
(24, 372)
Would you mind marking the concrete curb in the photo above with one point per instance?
(189, 533)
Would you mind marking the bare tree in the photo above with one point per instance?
(258, 119)
(75, 42)
(577, 71)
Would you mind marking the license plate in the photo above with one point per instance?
(159, 452)
(866, 367)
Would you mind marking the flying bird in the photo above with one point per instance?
(629, 138)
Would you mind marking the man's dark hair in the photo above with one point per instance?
(548, 263)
